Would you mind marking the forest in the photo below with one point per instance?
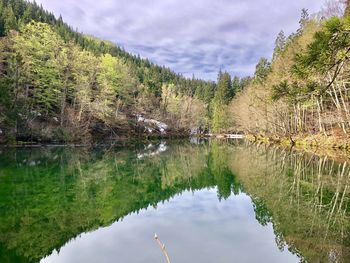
(59, 85)
(302, 94)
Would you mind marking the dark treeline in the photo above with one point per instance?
(60, 85)
(14, 13)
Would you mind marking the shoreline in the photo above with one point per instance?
(108, 141)
(331, 146)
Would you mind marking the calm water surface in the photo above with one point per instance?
(208, 202)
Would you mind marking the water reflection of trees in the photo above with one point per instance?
(51, 195)
(307, 196)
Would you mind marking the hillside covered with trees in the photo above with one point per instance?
(303, 93)
(59, 85)
(63, 86)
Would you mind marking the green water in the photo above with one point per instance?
(208, 202)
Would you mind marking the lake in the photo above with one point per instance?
(208, 201)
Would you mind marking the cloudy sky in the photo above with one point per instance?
(191, 37)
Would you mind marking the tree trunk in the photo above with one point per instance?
(319, 115)
(63, 105)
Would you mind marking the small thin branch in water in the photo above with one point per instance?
(162, 247)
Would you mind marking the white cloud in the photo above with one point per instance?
(191, 37)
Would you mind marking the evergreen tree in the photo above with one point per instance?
(280, 44)
(303, 20)
(236, 85)
(224, 92)
(2, 28)
(220, 120)
(245, 81)
(262, 70)
(18, 7)
(9, 19)
(27, 15)
(223, 95)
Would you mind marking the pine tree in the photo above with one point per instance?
(209, 92)
(9, 19)
(2, 29)
(224, 92)
(220, 117)
(262, 70)
(280, 44)
(18, 7)
(236, 85)
(27, 15)
(303, 20)
(223, 95)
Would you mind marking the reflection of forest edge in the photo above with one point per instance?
(51, 195)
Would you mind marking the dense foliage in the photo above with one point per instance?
(60, 85)
(305, 89)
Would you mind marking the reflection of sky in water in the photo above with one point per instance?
(195, 227)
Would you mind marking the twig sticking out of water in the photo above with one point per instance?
(162, 247)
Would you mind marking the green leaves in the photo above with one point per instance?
(9, 19)
(329, 48)
(294, 91)
(223, 95)
(115, 85)
(224, 92)
(48, 72)
(322, 58)
(38, 48)
(262, 70)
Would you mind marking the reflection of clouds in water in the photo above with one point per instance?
(195, 227)
(152, 150)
